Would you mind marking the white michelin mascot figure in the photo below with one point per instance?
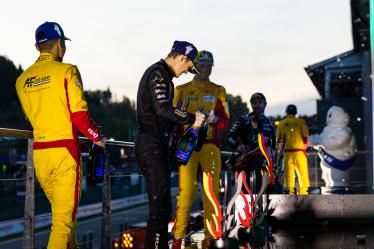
(337, 149)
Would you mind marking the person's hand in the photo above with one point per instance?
(101, 142)
(314, 139)
(241, 148)
(212, 119)
(199, 119)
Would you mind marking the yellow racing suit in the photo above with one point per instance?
(51, 95)
(205, 96)
(295, 132)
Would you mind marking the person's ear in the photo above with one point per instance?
(184, 58)
(56, 44)
(37, 47)
(60, 43)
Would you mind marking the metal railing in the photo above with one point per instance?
(29, 209)
(106, 236)
(315, 171)
(29, 214)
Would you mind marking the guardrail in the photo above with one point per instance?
(29, 209)
(29, 212)
(29, 218)
(315, 171)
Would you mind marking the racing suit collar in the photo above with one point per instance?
(168, 70)
(200, 81)
(260, 115)
(47, 57)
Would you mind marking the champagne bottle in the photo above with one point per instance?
(96, 164)
(190, 139)
(186, 145)
(203, 132)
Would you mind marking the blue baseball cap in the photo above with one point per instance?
(49, 31)
(189, 50)
(205, 57)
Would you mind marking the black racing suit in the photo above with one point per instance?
(156, 118)
(245, 131)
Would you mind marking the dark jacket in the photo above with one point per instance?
(156, 115)
(243, 132)
(156, 118)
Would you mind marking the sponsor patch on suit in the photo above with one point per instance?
(211, 99)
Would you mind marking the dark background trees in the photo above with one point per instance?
(11, 115)
(118, 118)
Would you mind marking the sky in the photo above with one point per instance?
(258, 45)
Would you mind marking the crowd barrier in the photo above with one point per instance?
(31, 221)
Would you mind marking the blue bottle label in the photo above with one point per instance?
(187, 145)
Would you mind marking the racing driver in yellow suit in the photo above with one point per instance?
(51, 95)
(295, 133)
(200, 94)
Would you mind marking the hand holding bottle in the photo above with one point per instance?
(199, 119)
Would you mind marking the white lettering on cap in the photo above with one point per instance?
(57, 29)
(188, 49)
(205, 56)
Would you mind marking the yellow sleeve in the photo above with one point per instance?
(222, 96)
(279, 134)
(178, 98)
(304, 128)
(77, 102)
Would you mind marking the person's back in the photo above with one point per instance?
(294, 129)
(155, 85)
(51, 95)
(42, 91)
(295, 132)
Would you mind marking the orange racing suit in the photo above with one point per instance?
(51, 95)
(296, 134)
(193, 96)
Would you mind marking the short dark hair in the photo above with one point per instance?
(291, 109)
(47, 45)
(257, 95)
(173, 54)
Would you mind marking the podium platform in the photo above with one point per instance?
(311, 209)
(315, 221)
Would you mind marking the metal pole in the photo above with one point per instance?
(327, 84)
(29, 220)
(371, 10)
(105, 220)
(316, 170)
